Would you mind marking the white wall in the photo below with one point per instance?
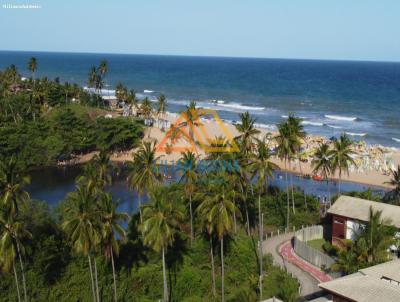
(352, 228)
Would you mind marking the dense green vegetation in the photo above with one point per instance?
(194, 240)
(55, 245)
(55, 273)
(46, 122)
(66, 133)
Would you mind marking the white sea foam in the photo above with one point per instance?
(217, 101)
(148, 91)
(396, 139)
(310, 123)
(240, 106)
(334, 127)
(356, 134)
(265, 126)
(300, 117)
(103, 92)
(341, 118)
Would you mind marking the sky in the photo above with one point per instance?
(307, 29)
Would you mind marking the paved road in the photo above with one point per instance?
(309, 285)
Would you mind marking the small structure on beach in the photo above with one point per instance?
(110, 100)
(349, 213)
(376, 283)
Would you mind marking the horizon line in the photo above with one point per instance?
(200, 56)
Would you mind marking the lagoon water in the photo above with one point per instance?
(53, 184)
(360, 98)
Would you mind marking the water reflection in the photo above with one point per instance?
(53, 184)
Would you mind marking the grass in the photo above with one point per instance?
(317, 244)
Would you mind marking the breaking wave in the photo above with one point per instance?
(341, 118)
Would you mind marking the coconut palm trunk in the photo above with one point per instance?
(16, 283)
(291, 186)
(247, 210)
(212, 268)
(164, 277)
(222, 271)
(114, 277)
(304, 193)
(91, 278)
(140, 207)
(260, 229)
(248, 220)
(329, 191)
(23, 273)
(234, 223)
(191, 220)
(287, 198)
(96, 280)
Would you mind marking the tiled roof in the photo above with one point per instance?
(358, 209)
(370, 284)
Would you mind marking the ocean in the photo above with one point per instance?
(332, 97)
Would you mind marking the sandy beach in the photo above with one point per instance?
(374, 162)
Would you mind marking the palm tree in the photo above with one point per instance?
(218, 209)
(103, 68)
(192, 119)
(92, 179)
(121, 92)
(161, 220)
(146, 110)
(12, 183)
(131, 99)
(208, 228)
(110, 227)
(80, 225)
(12, 232)
(297, 136)
(8, 257)
(395, 182)
(240, 175)
(322, 163)
(99, 84)
(146, 107)
(342, 153)
(162, 105)
(144, 172)
(247, 131)
(285, 153)
(92, 77)
(375, 238)
(187, 165)
(243, 173)
(67, 89)
(248, 134)
(104, 167)
(262, 168)
(32, 67)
